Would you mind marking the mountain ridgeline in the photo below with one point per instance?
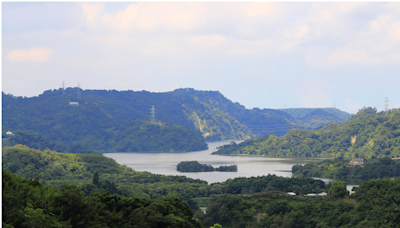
(110, 120)
(367, 134)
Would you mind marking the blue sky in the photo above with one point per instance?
(265, 55)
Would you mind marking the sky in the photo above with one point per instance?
(261, 54)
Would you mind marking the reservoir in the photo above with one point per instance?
(248, 166)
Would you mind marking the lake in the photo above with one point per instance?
(248, 166)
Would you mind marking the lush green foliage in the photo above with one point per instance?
(375, 204)
(310, 118)
(227, 168)
(105, 121)
(338, 189)
(27, 203)
(58, 169)
(339, 169)
(305, 112)
(141, 136)
(367, 134)
(195, 166)
(104, 116)
(242, 185)
(38, 141)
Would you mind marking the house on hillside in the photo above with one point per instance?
(74, 103)
(357, 161)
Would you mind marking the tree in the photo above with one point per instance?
(338, 189)
(96, 178)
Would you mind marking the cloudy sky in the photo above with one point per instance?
(266, 55)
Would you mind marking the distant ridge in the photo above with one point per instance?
(103, 119)
(368, 134)
(301, 112)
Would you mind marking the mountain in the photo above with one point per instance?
(302, 112)
(310, 118)
(99, 118)
(367, 134)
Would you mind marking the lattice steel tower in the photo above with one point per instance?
(79, 90)
(63, 87)
(153, 114)
(387, 104)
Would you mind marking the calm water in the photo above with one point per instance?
(165, 163)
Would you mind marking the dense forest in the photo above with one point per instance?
(28, 203)
(135, 135)
(58, 169)
(375, 204)
(87, 190)
(339, 169)
(195, 166)
(103, 115)
(38, 141)
(367, 134)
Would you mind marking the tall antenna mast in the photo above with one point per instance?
(79, 90)
(387, 104)
(153, 114)
(63, 87)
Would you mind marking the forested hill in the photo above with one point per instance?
(103, 114)
(367, 134)
(310, 118)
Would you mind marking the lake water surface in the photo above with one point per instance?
(248, 166)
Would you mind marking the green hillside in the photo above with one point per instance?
(367, 134)
(58, 169)
(105, 120)
(303, 112)
(339, 169)
(99, 123)
(38, 141)
(309, 118)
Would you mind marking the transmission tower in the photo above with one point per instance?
(63, 87)
(79, 90)
(387, 104)
(153, 114)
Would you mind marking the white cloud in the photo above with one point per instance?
(343, 56)
(350, 106)
(396, 105)
(146, 16)
(92, 12)
(123, 20)
(207, 41)
(31, 55)
(315, 93)
(262, 9)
